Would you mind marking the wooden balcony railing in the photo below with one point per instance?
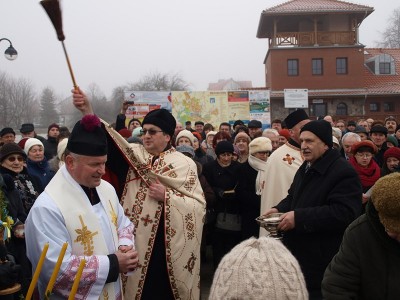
(322, 38)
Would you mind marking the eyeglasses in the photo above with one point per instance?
(150, 131)
(364, 155)
(13, 158)
(264, 152)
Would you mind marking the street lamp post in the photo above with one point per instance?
(10, 53)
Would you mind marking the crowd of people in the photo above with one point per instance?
(143, 200)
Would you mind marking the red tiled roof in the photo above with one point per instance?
(316, 6)
(382, 84)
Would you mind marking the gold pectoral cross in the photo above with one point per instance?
(85, 237)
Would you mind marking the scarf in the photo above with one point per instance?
(258, 165)
(368, 175)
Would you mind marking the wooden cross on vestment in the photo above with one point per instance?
(289, 159)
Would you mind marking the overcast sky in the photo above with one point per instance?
(111, 43)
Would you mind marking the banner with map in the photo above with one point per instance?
(209, 106)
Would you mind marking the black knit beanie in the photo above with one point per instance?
(161, 118)
(223, 147)
(321, 129)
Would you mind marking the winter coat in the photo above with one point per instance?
(249, 201)
(28, 186)
(325, 200)
(41, 170)
(367, 265)
(51, 147)
(223, 179)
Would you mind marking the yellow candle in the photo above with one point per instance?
(77, 279)
(37, 272)
(56, 270)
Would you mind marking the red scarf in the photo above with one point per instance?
(368, 175)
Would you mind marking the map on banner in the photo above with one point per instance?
(209, 107)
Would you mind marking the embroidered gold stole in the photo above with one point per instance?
(184, 210)
(82, 223)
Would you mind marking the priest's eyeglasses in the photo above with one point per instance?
(149, 131)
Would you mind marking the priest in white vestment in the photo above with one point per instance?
(80, 208)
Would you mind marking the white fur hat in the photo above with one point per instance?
(30, 143)
(259, 269)
(260, 144)
(187, 134)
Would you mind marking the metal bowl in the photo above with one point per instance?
(270, 223)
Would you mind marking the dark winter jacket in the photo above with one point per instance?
(325, 200)
(28, 186)
(223, 179)
(250, 202)
(367, 265)
(51, 147)
(41, 170)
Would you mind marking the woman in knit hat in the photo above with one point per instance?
(367, 265)
(185, 137)
(36, 162)
(207, 144)
(222, 175)
(365, 166)
(259, 269)
(12, 159)
(391, 159)
(242, 141)
(252, 184)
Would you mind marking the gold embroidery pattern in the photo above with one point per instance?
(289, 159)
(191, 263)
(105, 294)
(190, 226)
(85, 237)
(114, 218)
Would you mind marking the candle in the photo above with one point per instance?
(77, 279)
(37, 272)
(56, 270)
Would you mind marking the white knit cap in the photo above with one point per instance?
(30, 143)
(187, 134)
(62, 145)
(260, 144)
(259, 269)
(211, 133)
